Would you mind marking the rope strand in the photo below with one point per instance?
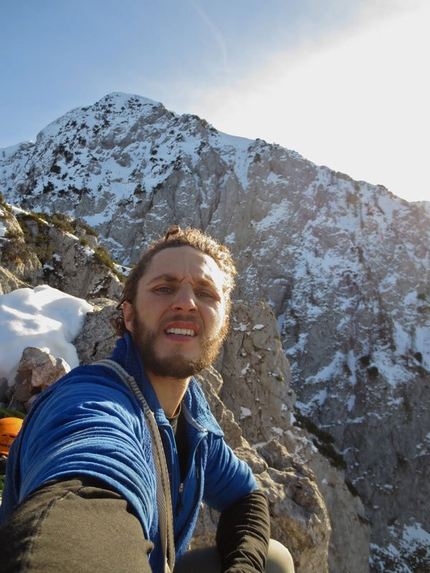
(164, 499)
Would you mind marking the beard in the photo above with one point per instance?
(176, 365)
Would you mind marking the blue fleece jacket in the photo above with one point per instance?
(89, 423)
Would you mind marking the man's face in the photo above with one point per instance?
(178, 320)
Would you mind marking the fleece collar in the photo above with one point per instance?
(127, 354)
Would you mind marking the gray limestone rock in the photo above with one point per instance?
(36, 371)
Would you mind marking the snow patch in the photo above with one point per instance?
(42, 317)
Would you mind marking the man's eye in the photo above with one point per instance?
(205, 294)
(163, 290)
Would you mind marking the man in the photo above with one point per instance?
(82, 490)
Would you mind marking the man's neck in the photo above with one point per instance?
(169, 391)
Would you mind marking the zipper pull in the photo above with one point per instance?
(179, 504)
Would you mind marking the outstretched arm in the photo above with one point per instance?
(243, 534)
(74, 526)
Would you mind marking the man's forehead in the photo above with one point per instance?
(175, 261)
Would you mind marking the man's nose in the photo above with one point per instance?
(185, 299)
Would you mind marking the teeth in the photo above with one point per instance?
(182, 331)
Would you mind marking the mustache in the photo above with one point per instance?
(182, 317)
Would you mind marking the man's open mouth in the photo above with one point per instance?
(181, 331)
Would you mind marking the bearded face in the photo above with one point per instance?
(178, 365)
(178, 319)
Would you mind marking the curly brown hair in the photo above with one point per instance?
(176, 237)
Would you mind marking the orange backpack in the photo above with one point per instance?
(9, 428)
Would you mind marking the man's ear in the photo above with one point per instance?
(127, 313)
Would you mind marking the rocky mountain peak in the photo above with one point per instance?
(342, 264)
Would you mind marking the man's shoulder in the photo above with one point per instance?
(85, 392)
(85, 382)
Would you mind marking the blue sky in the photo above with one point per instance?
(343, 82)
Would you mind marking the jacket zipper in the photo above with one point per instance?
(179, 503)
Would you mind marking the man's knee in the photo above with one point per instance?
(279, 559)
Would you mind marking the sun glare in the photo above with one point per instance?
(356, 102)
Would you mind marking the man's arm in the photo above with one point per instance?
(243, 534)
(74, 526)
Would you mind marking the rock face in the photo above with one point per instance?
(37, 370)
(344, 266)
(257, 390)
(38, 249)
